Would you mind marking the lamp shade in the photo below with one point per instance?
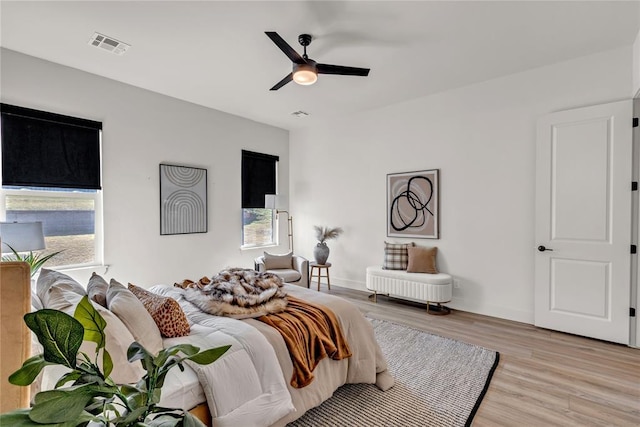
(275, 201)
(270, 201)
(21, 236)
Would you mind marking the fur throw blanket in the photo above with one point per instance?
(238, 293)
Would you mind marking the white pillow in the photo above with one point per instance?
(36, 304)
(97, 289)
(118, 338)
(124, 304)
(53, 285)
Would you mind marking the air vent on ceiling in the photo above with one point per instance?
(108, 43)
(300, 113)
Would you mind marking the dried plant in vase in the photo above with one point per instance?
(321, 251)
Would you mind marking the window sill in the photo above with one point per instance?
(249, 248)
(94, 267)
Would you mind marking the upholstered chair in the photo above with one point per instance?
(291, 268)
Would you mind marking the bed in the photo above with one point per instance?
(250, 384)
(366, 365)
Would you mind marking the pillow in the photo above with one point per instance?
(124, 304)
(97, 289)
(36, 303)
(396, 256)
(275, 262)
(118, 339)
(165, 311)
(52, 287)
(422, 260)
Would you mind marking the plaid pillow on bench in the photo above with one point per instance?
(396, 256)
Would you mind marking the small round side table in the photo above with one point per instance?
(320, 267)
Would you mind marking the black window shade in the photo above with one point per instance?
(41, 149)
(258, 178)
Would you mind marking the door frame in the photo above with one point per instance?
(634, 326)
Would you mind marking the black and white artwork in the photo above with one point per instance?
(183, 200)
(412, 204)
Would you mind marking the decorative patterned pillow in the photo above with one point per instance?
(275, 262)
(165, 311)
(97, 289)
(396, 256)
(422, 260)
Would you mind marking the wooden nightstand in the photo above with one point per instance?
(320, 267)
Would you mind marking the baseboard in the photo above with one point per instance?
(493, 311)
(349, 284)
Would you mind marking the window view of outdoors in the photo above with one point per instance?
(68, 223)
(257, 227)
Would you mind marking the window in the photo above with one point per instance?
(259, 177)
(51, 173)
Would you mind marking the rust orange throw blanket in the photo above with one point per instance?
(311, 332)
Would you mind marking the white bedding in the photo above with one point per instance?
(249, 386)
(182, 389)
(242, 387)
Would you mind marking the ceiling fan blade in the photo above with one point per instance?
(283, 82)
(284, 46)
(341, 70)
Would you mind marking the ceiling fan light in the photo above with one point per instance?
(305, 77)
(305, 74)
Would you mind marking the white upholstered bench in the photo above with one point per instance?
(423, 287)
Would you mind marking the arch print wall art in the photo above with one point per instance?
(183, 200)
(412, 204)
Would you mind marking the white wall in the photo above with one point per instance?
(482, 138)
(142, 129)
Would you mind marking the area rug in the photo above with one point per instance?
(439, 382)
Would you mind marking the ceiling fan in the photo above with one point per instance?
(306, 70)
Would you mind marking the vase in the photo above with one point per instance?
(321, 253)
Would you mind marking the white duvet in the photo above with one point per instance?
(248, 385)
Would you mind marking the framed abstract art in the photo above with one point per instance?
(413, 204)
(183, 200)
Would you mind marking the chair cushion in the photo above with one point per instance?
(275, 262)
(287, 274)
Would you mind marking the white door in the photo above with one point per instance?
(583, 221)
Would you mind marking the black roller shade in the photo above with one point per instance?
(41, 149)
(258, 178)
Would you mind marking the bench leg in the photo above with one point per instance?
(439, 309)
(374, 297)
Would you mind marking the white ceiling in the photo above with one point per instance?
(216, 54)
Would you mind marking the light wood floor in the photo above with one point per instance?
(545, 378)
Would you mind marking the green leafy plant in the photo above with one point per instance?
(35, 261)
(326, 233)
(92, 395)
